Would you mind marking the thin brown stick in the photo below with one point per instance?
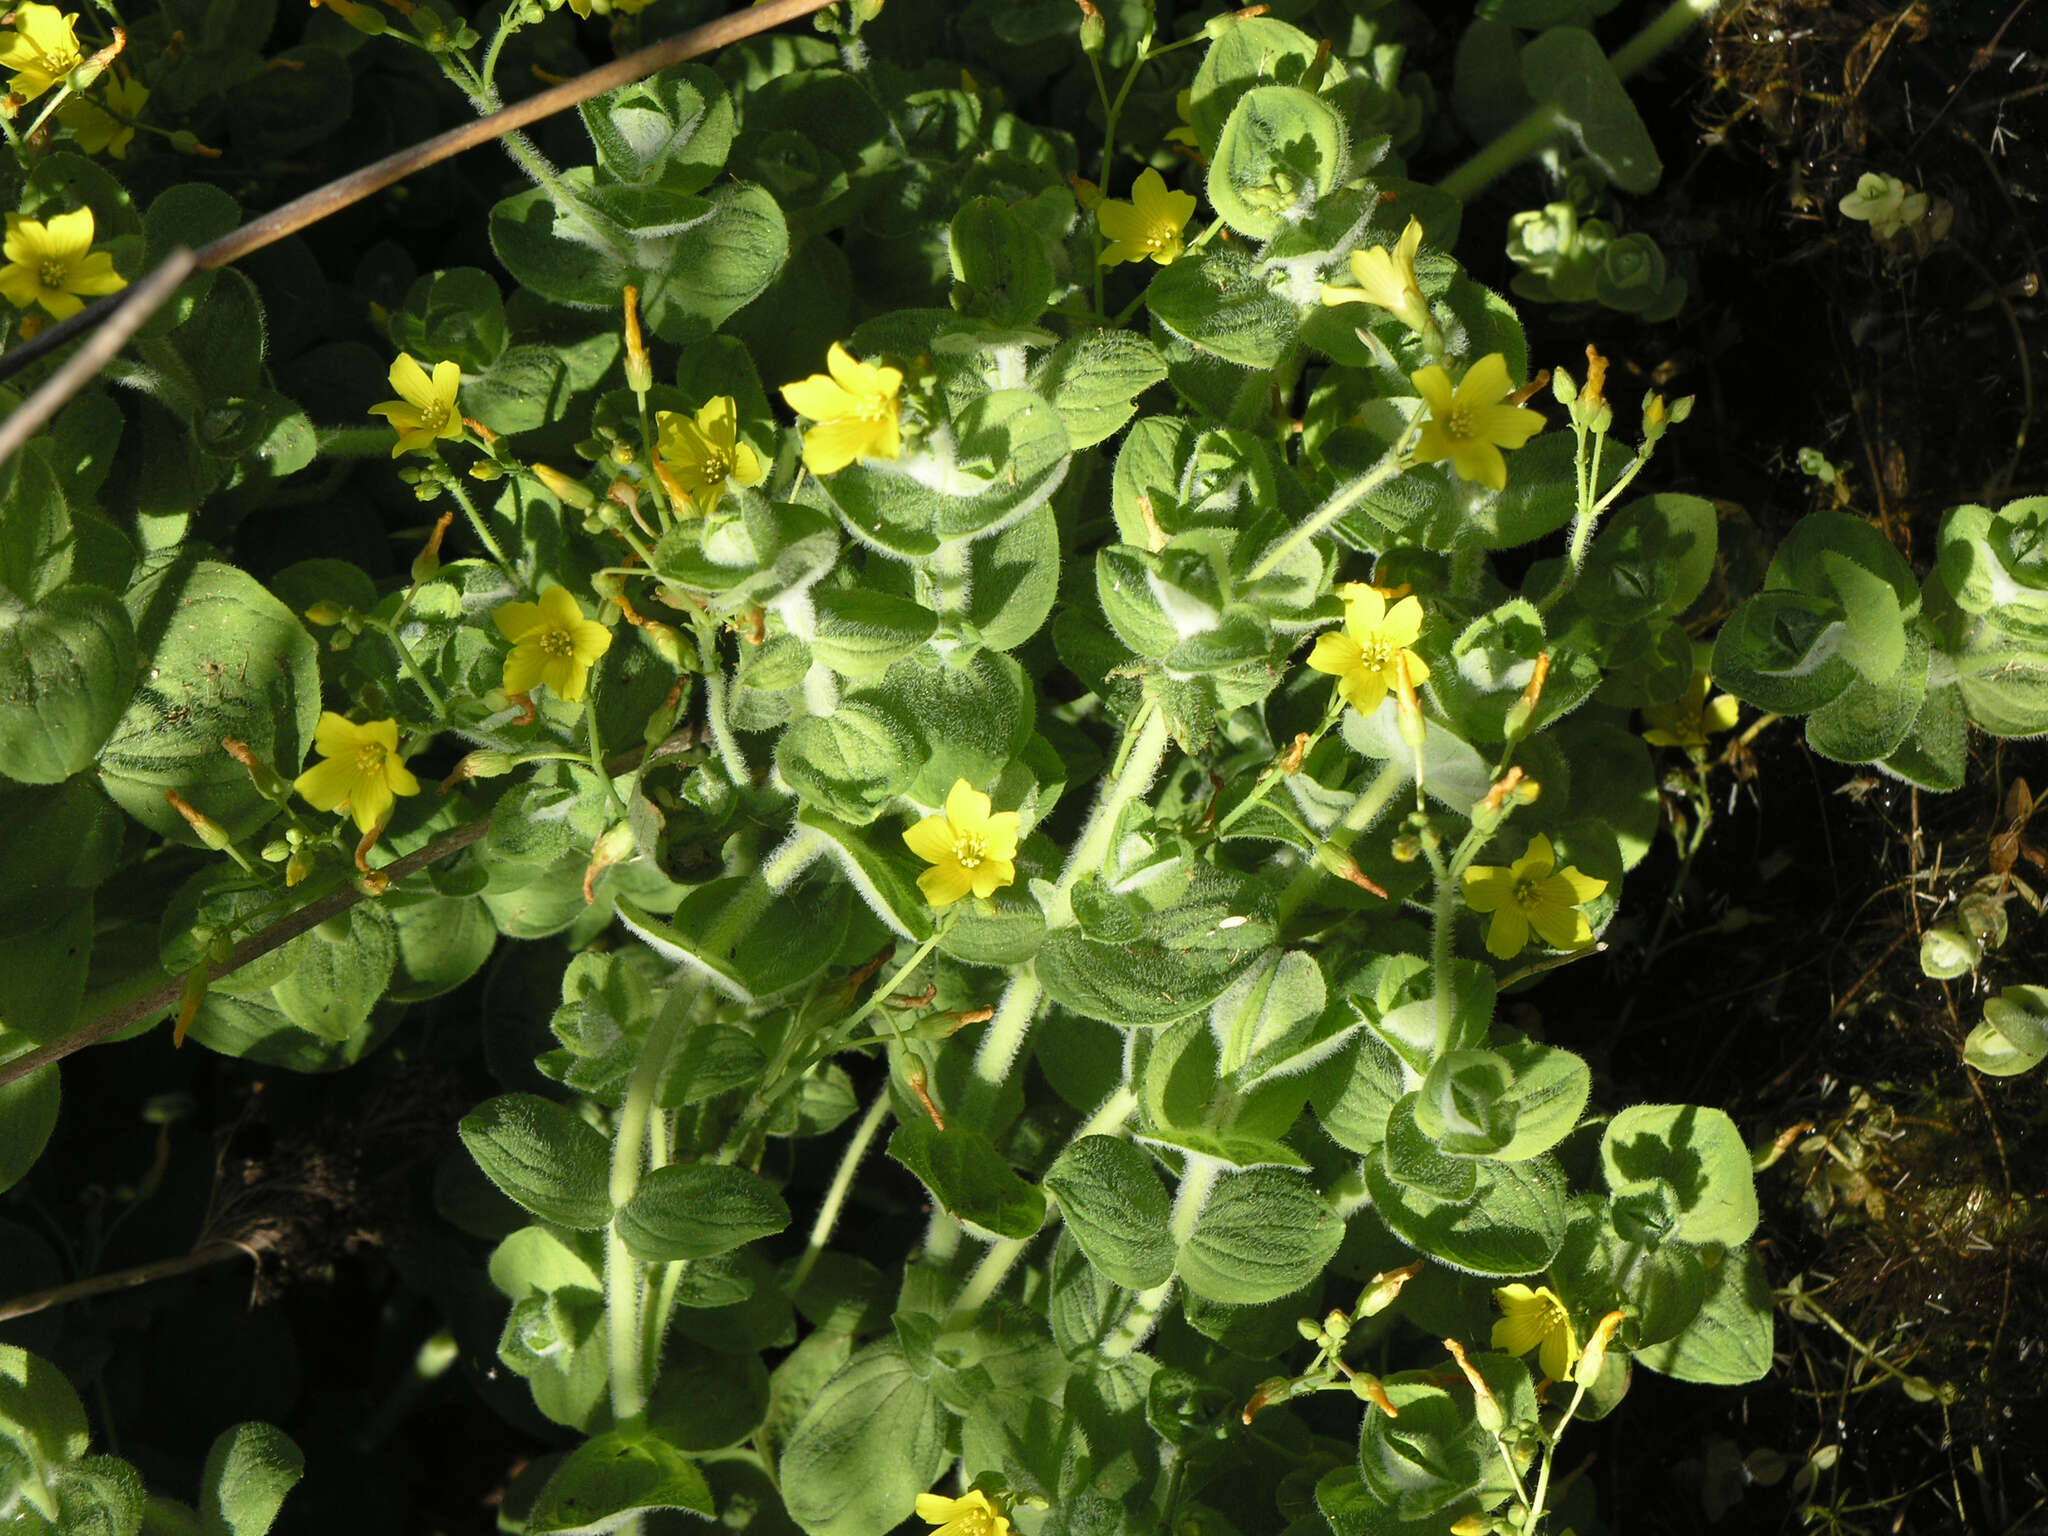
(146, 298)
(121, 1279)
(336, 195)
(166, 997)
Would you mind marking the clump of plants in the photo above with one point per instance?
(1079, 656)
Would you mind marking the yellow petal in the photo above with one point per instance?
(1364, 609)
(931, 839)
(1418, 669)
(1509, 426)
(560, 608)
(519, 622)
(337, 735)
(999, 838)
(369, 803)
(1581, 886)
(830, 446)
(1121, 222)
(400, 778)
(1487, 887)
(1336, 654)
(1508, 934)
(525, 668)
(1402, 623)
(946, 883)
(967, 808)
(1485, 382)
(411, 381)
(1434, 385)
(991, 875)
(95, 274)
(1721, 715)
(935, 1508)
(70, 234)
(1537, 860)
(326, 784)
(1560, 927)
(1480, 462)
(1364, 691)
(565, 679)
(588, 640)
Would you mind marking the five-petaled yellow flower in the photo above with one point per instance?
(1532, 893)
(1689, 721)
(698, 457)
(1470, 426)
(1387, 278)
(971, 1516)
(362, 771)
(1148, 225)
(54, 264)
(552, 643)
(1362, 655)
(853, 409)
(1536, 1320)
(43, 50)
(426, 408)
(968, 848)
(99, 130)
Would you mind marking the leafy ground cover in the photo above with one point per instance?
(1185, 1055)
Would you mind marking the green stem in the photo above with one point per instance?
(1197, 1183)
(1340, 502)
(611, 795)
(835, 1194)
(1364, 811)
(1543, 123)
(1144, 748)
(622, 1275)
(412, 670)
(476, 522)
(1274, 773)
(1443, 917)
(1542, 1493)
(715, 700)
(1002, 1257)
(950, 576)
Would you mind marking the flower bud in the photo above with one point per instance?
(486, 471)
(639, 367)
(325, 614)
(1407, 848)
(1587, 1371)
(211, 832)
(667, 643)
(365, 19)
(1386, 1288)
(570, 493)
(1093, 28)
(190, 997)
(426, 565)
(1522, 713)
(266, 781)
(1485, 1406)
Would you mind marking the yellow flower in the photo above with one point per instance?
(971, 1516)
(362, 771)
(700, 456)
(53, 264)
(1528, 895)
(1148, 225)
(968, 849)
(854, 409)
(1388, 280)
(1362, 656)
(1536, 1320)
(1471, 426)
(1183, 108)
(427, 407)
(44, 49)
(552, 643)
(100, 131)
(1692, 719)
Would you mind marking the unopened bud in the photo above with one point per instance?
(1386, 1289)
(426, 565)
(639, 367)
(570, 493)
(186, 142)
(297, 867)
(667, 643)
(1406, 848)
(486, 471)
(615, 847)
(1369, 1388)
(210, 832)
(1308, 1328)
(1522, 713)
(1587, 1371)
(1563, 387)
(190, 996)
(1275, 1389)
(1093, 28)
(365, 19)
(1336, 1325)
(261, 775)
(1596, 378)
(1408, 710)
(485, 763)
(1655, 414)
(326, 614)
(1485, 1406)
(1217, 26)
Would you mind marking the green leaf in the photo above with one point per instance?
(456, 315)
(1869, 719)
(1248, 53)
(1876, 643)
(28, 1113)
(441, 942)
(673, 129)
(697, 1211)
(1412, 1159)
(67, 666)
(1116, 1208)
(1094, 378)
(969, 1177)
(41, 1419)
(1182, 962)
(1653, 556)
(540, 1261)
(1002, 272)
(848, 764)
(871, 1442)
(100, 1496)
(1566, 68)
(524, 389)
(861, 632)
(1264, 1233)
(607, 1481)
(1006, 455)
(541, 1154)
(1513, 1223)
(248, 1473)
(1549, 1092)
(1014, 579)
(222, 657)
(1223, 302)
(1280, 153)
(1730, 1339)
(44, 963)
(1695, 1155)
(1435, 1453)
(332, 984)
(2013, 1037)
(706, 1401)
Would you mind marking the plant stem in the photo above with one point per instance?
(715, 697)
(1340, 502)
(476, 521)
(1143, 750)
(835, 1194)
(1197, 1183)
(622, 1272)
(122, 1279)
(1543, 122)
(1364, 811)
(413, 671)
(1002, 1257)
